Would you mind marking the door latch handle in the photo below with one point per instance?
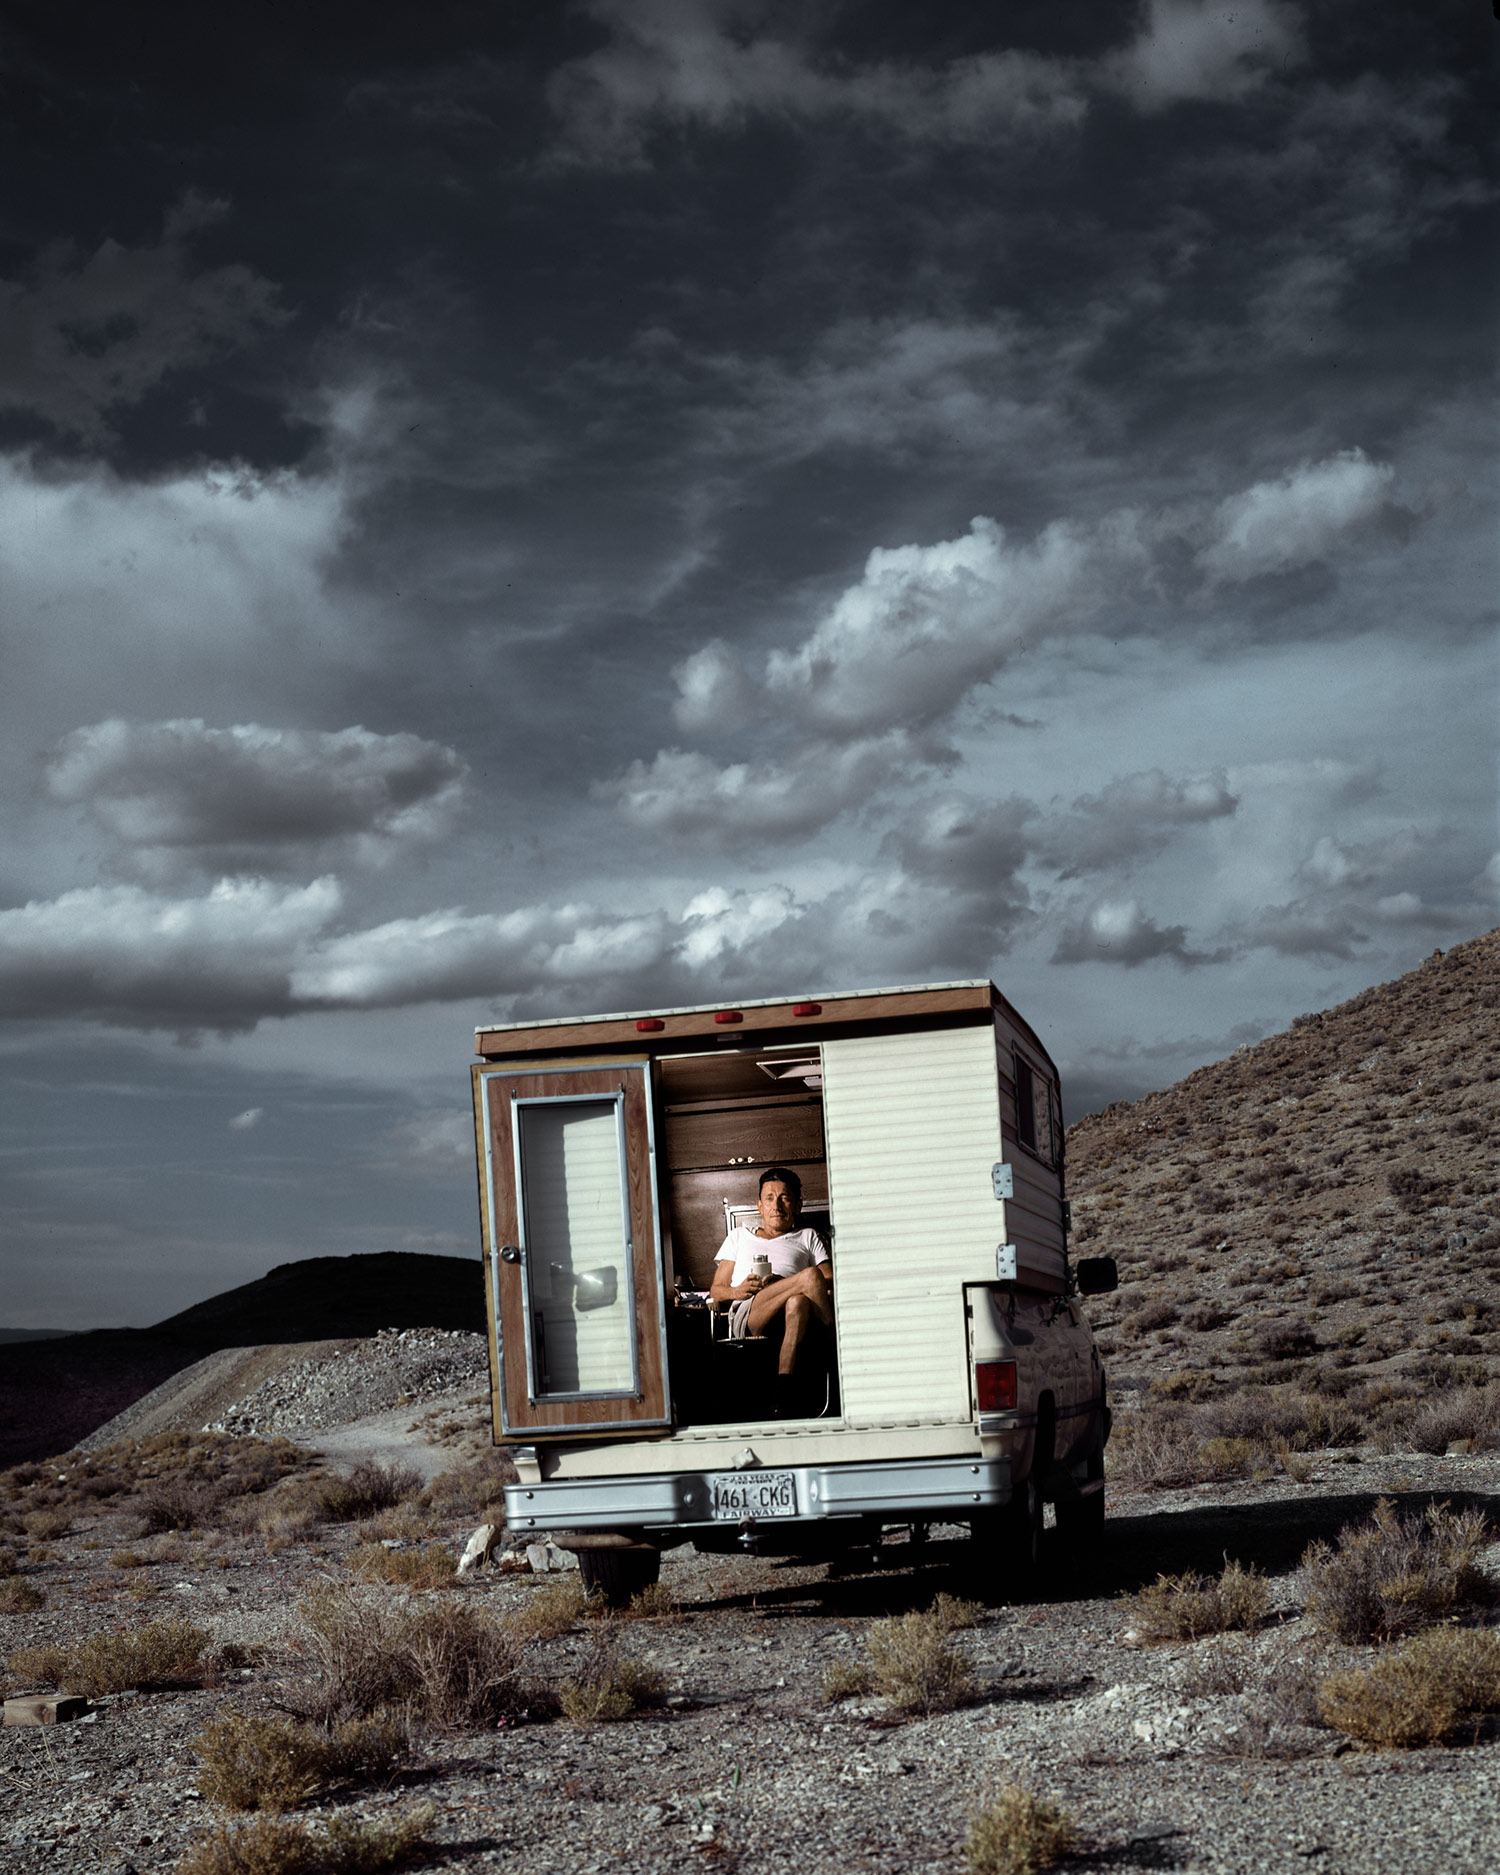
(510, 1253)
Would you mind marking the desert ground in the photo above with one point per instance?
(753, 1738)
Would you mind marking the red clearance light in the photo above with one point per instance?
(807, 1009)
(995, 1385)
(650, 1024)
(729, 1015)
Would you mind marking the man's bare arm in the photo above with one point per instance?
(723, 1290)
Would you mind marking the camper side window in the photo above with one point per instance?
(1036, 1118)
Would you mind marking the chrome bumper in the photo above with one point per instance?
(903, 1491)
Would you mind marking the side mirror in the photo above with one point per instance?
(1096, 1276)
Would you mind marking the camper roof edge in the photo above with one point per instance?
(971, 996)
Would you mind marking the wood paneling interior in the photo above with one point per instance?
(764, 1132)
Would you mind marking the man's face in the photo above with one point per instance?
(778, 1209)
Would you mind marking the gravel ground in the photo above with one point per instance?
(749, 1769)
(398, 1367)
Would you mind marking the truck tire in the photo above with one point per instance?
(618, 1575)
(1081, 1519)
(1021, 1535)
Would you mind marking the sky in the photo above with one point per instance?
(520, 510)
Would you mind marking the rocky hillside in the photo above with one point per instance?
(1321, 1207)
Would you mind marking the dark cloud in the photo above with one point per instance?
(1132, 816)
(83, 333)
(668, 64)
(254, 798)
(1119, 931)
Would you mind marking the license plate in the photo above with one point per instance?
(735, 1494)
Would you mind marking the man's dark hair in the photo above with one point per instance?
(787, 1177)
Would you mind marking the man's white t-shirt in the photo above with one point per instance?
(792, 1251)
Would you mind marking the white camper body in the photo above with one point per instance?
(960, 1382)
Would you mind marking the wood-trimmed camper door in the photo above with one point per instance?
(575, 1249)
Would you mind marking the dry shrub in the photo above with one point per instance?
(448, 1664)
(1468, 1415)
(293, 1510)
(1420, 1694)
(466, 1667)
(1182, 1608)
(254, 1763)
(655, 1602)
(953, 1614)
(126, 1559)
(912, 1664)
(476, 1490)
(179, 1504)
(1226, 1458)
(1395, 1574)
(1155, 1446)
(43, 1525)
(609, 1685)
(1159, 1312)
(368, 1488)
(429, 1568)
(231, 1467)
(159, 1654)
(407, 1523)
(1017, 1832)
(271, 1846)
(44, 1664)
(846, 1679)
(18, 1596)
(549, 1612)
(1221, 1666)
(359, 1671)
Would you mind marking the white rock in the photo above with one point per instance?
(481, 1547)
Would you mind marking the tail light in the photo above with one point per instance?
(995, 1385)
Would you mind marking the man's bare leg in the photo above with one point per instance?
(801, 1296)
(798, 1313)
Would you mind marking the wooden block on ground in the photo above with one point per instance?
(45, 1709)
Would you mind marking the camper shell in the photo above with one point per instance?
(960, 1382)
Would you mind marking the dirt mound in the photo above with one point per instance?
(54, 1393)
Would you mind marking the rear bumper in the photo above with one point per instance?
(906, 1490)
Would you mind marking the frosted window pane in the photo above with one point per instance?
(575, 1247)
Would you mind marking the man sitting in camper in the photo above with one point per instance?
(800, 1284)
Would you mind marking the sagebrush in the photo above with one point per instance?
(369, 1487)
(609, 1685)
(1392, 1574)
(256, 1763)
(274, 1846)
(160, 1653)
(913, 1664)
(1184, 1607)
(1017, 1832)
(431, 1567)
(447, 1665)
(1419, 1695)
